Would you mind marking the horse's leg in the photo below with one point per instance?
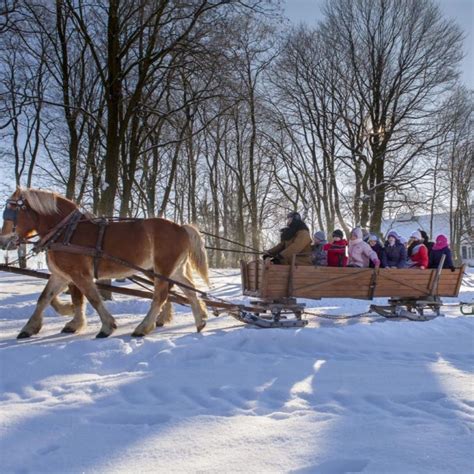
(61, 307)
(79, 321)
(55, 285)
(91, 292)
(159, 297)
(197, 306)
(166, 314)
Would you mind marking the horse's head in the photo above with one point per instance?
(30, 211)
(17, 221)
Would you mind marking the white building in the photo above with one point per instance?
(408, 223)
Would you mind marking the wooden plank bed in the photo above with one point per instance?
(267, 281)
(410, 291)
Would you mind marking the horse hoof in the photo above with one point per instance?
(201, 327)
(68, 330)
(23, 335)
(102, 335)
(137, 334)
(159, 325)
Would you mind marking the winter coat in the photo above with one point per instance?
(378, 249)
(419, 256)
(336, 252)
(394, 256)
(361, 253)
(440, 248)
(295, 240)
(435, 258)
(429, 246)
(319, 256)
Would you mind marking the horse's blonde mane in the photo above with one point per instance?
(41, 201)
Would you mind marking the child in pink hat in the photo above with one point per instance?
(440, 248)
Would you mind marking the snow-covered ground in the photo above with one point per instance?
(357, 395)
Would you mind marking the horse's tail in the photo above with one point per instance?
(198, 254)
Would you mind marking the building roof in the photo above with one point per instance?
(408, 223)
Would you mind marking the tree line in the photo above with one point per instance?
(220, 113)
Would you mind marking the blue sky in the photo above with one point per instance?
(462, 11)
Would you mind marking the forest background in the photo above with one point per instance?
(225, 114)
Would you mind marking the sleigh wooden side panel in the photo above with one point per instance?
(268, 281)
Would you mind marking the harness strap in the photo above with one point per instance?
(71, 227)
(54, 233)
(99, 245)
(92, 252)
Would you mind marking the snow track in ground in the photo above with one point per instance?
(365, 395)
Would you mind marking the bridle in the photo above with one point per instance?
(67, 225)
(11, 210)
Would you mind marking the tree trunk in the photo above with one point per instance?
(113, 91)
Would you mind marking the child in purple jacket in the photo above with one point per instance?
(395, 253)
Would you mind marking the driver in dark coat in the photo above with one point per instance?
(295, 239)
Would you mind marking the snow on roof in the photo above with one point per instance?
(408, 223)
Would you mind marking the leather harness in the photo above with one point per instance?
(67, 227)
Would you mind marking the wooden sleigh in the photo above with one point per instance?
(276, 289)
(410, 291)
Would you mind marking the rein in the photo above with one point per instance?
(251, 249)
(93, 252)
(231, 242)
(68, 225)
(233, 250)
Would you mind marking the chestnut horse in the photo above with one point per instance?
(162, 246)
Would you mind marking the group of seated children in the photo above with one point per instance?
(417, 252)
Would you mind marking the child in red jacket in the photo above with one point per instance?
(336, 250)
(417, 252)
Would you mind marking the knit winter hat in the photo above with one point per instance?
(338, 233)
(416, 235)
(373, 238)
(441, 242)
(357, 232)
(294, 215)
(319, 235)
(393, 233)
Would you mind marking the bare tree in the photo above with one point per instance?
(399, 58)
